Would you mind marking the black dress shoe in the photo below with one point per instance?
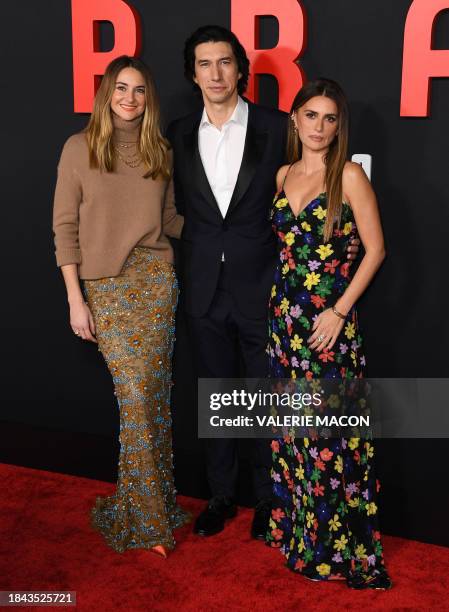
(261, 518)
(212, 519)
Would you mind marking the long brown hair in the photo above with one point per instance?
(338, 150)
(152, 146)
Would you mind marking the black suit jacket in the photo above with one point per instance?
(245, 235)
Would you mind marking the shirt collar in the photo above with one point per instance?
(239, 116)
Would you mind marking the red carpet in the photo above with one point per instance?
(46, 544)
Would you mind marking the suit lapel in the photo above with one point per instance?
(195, 168)
(252, 154)
(255, 143)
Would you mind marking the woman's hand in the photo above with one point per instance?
(326, 328)
(82, 321)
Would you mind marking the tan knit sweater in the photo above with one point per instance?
(99, 217)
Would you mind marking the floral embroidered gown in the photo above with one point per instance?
(325, 512)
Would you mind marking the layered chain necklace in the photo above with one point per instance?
(130, 158)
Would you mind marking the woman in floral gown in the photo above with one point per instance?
(325, 512)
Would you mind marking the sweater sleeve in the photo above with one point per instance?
(172, 223)
(68, 197)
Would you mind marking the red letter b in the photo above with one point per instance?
(88, 62)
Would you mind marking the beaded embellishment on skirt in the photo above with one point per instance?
(134, 316)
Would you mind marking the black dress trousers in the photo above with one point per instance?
(222, 339)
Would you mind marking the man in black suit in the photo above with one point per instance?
(225, 162)
(226, 158)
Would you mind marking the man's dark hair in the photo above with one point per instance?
(214, 33)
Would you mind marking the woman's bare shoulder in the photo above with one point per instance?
(280, 175)
(355, 183)
(353, 173)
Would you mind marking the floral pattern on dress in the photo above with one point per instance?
(325, 511)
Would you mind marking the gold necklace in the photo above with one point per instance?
(126, 145)
(132, 161)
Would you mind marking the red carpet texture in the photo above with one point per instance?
(47, 544)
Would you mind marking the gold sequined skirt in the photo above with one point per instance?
(134, 316)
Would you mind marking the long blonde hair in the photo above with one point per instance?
(152, 146)
(338, 150)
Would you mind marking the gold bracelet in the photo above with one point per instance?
(335, 311)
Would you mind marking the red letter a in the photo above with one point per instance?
(279, 61)
(88, 62)
(421, 62)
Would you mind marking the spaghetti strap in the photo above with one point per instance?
(285, 177)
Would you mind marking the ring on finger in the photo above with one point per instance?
(321, 337)
(76, 332)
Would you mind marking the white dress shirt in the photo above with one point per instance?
(221, 152)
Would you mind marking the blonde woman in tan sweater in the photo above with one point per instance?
(114, 208)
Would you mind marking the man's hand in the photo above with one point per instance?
(353, 249)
